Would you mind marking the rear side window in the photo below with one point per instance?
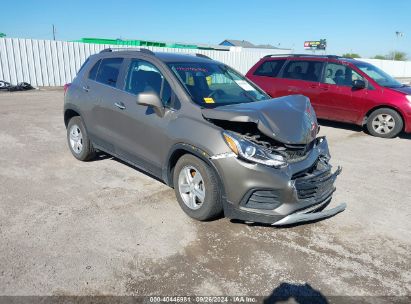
(269, 68)
(108, 71)
(307, 70)
(93, 72)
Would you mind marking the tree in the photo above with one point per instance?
(397, 55)
(2, 35)
(380, 57)
(351, 55)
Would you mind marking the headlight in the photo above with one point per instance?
(408, 97)
(251, 152)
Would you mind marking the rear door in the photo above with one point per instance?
(97, 86)
(338, 99)
(104, 87)
(301, 76)
(90, 97)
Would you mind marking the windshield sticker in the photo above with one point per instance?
(244, 85)
(192, 69)
(208, 100)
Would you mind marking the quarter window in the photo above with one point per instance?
(108, 71)
(339, 74)
(269, 68)
(93, 72)
(143, 76)
(303, 70)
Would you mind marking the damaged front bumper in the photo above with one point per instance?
(309, 216)
(295, 194)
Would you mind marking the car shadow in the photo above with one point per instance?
(354, 128)
(341, 125)
(301, 294)
(103, 156)
(405, 135)
(256, 224)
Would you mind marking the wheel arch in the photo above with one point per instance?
(69, 113)
(177, 152)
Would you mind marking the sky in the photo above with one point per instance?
(364, 27)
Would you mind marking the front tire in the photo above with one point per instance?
(78, 140)
(197, 188)
(385, 123)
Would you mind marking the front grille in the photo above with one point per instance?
(297, 152)
(317, 185)
(263, 199)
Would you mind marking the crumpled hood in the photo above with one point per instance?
(289, 119)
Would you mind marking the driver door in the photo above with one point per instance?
(337, 97)
(142, 131)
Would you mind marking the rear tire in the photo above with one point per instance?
(385, 123)
(78, 140)
(197, 188)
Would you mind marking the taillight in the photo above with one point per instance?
(66, 86)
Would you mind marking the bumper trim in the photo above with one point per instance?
(307, 217)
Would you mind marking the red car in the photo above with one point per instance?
(340, 89)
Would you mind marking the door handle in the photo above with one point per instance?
(293, 89)
(120, 105)
(86, 88)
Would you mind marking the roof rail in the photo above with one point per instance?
(303, 55)
(143, 50)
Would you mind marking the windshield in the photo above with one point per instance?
(379, 76)
(213, 84)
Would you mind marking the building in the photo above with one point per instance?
(238, 43)
(247, 44)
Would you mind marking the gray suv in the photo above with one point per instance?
(201, 127)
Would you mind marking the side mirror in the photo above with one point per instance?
(151, 99)
(358, 84)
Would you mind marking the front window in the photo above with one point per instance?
(144, 77)
(340, 74)
(379, 76)
(212, 84)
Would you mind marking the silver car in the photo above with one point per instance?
(204, 129)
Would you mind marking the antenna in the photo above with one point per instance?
(54, 32)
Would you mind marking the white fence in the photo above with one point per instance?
(54, 63)
(399, 69)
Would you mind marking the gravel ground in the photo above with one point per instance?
(104, 228)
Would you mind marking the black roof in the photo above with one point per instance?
(352, 60)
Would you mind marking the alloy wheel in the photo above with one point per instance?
(383, 123)
(191, 187)
(76, 139)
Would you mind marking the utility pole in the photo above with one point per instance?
(54, 32)
(399, 35)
